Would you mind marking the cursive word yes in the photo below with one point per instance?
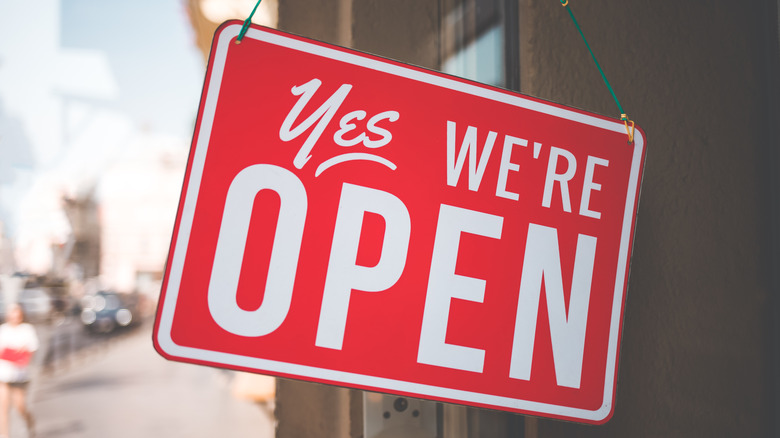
(319, 119)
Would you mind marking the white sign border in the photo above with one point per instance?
(165, 321)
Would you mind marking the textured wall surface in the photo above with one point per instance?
(318, 19)
(694, 356)
(306, 410)
(405, 30)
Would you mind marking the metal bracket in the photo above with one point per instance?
(387, 416)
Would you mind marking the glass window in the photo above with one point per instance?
(479, 41)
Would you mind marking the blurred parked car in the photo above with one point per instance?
(36, 304)
(106, 311)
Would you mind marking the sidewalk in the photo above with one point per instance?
(128, 391)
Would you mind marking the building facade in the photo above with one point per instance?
(700, 336)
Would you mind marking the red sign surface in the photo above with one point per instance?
(351, 220)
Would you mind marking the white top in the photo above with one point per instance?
(16, 337)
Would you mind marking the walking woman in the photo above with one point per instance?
(18, 342)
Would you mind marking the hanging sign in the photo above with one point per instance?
(355, 221)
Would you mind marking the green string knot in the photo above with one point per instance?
(247, 22)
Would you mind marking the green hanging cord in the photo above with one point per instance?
(248, 20)
(623, 115)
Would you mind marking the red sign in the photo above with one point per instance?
(351, 220)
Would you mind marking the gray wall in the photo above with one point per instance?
(701, 80)
(697, 333)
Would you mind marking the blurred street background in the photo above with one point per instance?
(97, 105)
(118, 386)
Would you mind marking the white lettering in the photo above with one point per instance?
(345, 127)
(344, 274)
(589, 186)
(324, 114)
(391, 116)
(229, 254)
(507, 165)
(444, 285)
(469, 145)
(542, 262)
(561, 178)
